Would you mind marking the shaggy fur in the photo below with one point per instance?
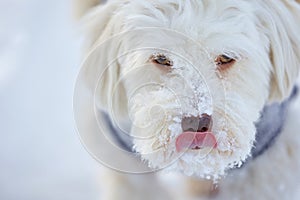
(149, 101)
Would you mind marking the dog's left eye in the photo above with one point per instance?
(161, 60)
(223, 62)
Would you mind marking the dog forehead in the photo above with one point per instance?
(202, 15)
(211, 22)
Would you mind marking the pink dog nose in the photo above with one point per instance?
(197, 124)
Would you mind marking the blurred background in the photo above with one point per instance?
(40, 153)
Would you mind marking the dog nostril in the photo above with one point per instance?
(190, 124)
(203, 129)
(205, 123)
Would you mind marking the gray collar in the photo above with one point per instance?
(271, 124)
(121, 139)
(268, 127)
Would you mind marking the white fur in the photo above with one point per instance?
(264, 38)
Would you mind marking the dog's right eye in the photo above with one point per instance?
(224, 62)
(161, 60)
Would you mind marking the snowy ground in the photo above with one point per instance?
(41, 157)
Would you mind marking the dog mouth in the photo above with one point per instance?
(195, 141)
(196, 133)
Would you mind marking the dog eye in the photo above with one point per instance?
(223, 62)
(161, 60)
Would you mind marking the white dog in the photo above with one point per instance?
(202, 87)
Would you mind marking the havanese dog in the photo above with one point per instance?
(194, 99)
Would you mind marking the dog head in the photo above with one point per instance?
(190, 78)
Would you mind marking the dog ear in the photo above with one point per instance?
(283, 30)
(101, 66)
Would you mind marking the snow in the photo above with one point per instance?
(40, 152)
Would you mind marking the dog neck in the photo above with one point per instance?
(268, 128)
(120, 138)
(270, 125)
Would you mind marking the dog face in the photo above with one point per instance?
(190, 78)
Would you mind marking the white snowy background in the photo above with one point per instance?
(41, 157)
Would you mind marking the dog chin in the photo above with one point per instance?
(157, 124)
(203, 163)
